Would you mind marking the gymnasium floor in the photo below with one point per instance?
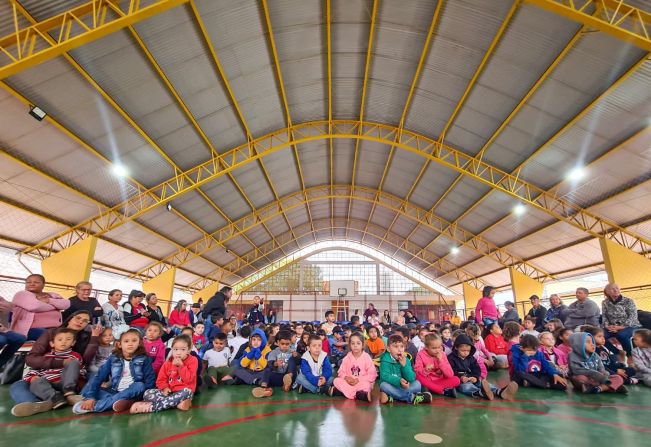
(231, 416)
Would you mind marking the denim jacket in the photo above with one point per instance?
(141, 371)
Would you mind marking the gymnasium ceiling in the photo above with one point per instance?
(414, 127)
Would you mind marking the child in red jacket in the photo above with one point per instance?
(497, 346)
(433, 370)
(176, 383)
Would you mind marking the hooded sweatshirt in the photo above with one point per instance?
(362, 368)
(156, 350)
(392, 371)
(582, 363)
(468, 366)
(312, 370)
(536, 363)
(441, 368)
(255, 359)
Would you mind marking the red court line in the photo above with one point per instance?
(582, 404)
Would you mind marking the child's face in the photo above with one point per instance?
(305, 337)
(496, 330)
(294, 338)
(227, 327)
(63, 342)
(445, 333)
(396, 350)
(275, 330)
(199, 328)
(107, 337)
(566, 336)
(180, 350)
(589, 345)
(330, 318)
(599, 339)
(218, 345)
(338, 336)
(356, 345)
(528, 351)
(372, 334)
(639, 342)
(422, 333)
(528, 325)
(322, 336)
(551, 327)
(434, 348)
(315, 347)
(463, 351)
(284, 345)
(299, 330)
(547, 340)
(220, 322)
(348, 333)
(152, 333)
(188, 332)
(255, 342)
(129, 344)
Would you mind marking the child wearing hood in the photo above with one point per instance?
(466, 368)
(253, 362)
(586, 370)
(611, 356)
(642, 355)
(529, 367)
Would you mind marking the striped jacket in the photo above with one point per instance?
(53, 375)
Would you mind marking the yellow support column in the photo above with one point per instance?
(627, 269)
(523, 287)
(70, 265)
(471, 297)
(206, 293)
(163, 286)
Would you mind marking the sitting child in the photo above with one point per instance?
(154, 345)
(554, 325)
(217, 362)
(280, 369)
(56, 384)
(325, 343)
(357, 372)
(130, 372)
(433, 369)
(338, 347)
(446, 338)
(642, 355)
(374, 344)
(419, 339)
(315, 373)
(552, 354)
(482, 355)
(586, 370)
(176, 383)
(563, 340)
(411, 351)
(531, 369)
(466, 368)
(397, 378)
(198, 339)
(497, 346)
(250, 369)
(529, 326)
(611, 356)
(104, 351)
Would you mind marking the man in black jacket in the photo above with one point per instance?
(538, 312)
(83, 301)
(217, 304)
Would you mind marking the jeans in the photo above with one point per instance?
(247, 376)
(624, 336)
(302, 380)
(488, 321)
(19, 392)
(12, 341)
(474, 389)
(106, 398)
(399, 393)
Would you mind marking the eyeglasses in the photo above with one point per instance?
(82, 320)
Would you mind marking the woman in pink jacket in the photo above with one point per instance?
(357, 372)
(33, 312)
(433, 370)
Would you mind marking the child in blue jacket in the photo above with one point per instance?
(131, 374)
(316, 371)
(531, 369)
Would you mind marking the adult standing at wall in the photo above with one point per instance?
(83, 301)
(582, 311)
(619, 316)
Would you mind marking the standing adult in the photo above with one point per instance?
(386, 317)
(582, 311)
(83, 301)
(179, 317)
(217, 303)
(370, 312)
(556, 309)
(619, 316)
(135, 313)
(33, 313)
(486, 309)
(113, 314)
(155, 312)
(255, 315)
(538, 312)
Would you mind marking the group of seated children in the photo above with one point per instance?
(142, 375)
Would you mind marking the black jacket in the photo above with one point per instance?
(464, 367)
(216, 304)
(77, 304)
(539, 314)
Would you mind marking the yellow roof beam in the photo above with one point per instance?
(328, 20)
(29, 46)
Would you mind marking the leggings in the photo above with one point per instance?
(438, 385)
(161, 402)
(351, 390)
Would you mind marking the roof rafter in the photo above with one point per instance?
(328, 18)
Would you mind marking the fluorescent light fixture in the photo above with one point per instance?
(577, 173)
(169, 206)
(120, 170)
(37, 113)
(519, 209)
(454, 250)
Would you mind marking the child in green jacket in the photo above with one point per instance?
(397, 378)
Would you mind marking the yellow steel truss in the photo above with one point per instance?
(42, 41)
(331, 165)
(426, 147)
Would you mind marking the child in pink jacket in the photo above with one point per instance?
(154, 345)
(433, 370)
(357, 372)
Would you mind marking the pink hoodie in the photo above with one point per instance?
(486, 308)
(482, 353)
(561, 357)
(363, 368)
(26, 307)
(441, 369)
(156, 351)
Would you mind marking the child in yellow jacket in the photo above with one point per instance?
(250, 369)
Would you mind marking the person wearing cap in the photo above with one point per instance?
(511, 314)
(195, 315)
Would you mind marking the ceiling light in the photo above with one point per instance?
(454, 250)
(576, 174)
(37, 113)
(169, 206)
(519, 209)
(120, 170)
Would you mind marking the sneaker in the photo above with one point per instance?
(450, 392)
(622, 390)
(363, 395)
(427, 397)
(633, 380)
(141, 407)
(58, 401)
(30, 408)
(261, 392)
(486, 390)
(73, 399)
(596, 390)
(287, 382)
(300, 389)
(385, 398)
(331, 391)
(78, 410)
(122, 405)
(186, 404)
(509, 391)
(419, 398)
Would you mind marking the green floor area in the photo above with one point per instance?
(231, 416)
